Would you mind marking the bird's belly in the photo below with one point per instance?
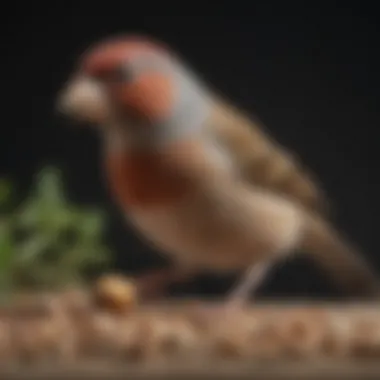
(220, 231)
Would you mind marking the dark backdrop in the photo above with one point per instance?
(310, 72)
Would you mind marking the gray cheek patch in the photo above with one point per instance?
(191, 107)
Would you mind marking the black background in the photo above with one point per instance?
(310, 72)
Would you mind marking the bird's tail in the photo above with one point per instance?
(346, 266)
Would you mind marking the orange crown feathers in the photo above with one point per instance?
(108, 53)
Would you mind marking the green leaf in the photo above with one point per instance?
(37, 214)
(79, 257)
(49, 242)
(6, 259)
(6, 247)
(43, 276)
(49, 187)
(33, 249)
(91, 226)
(5, 191)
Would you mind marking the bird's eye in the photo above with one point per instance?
(118, 74)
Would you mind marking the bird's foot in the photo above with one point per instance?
(238, 298)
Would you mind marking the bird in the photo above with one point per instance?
(199, 179)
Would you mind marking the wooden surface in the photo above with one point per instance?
(222, 371)
(113, 336)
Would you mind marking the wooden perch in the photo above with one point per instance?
(99, 332)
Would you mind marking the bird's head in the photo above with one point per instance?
(132, 80)
(130, 76)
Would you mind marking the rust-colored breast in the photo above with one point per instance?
(144, 179)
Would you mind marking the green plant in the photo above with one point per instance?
(46, 242)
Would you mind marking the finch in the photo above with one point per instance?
(196, 177)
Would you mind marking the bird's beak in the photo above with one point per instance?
(83, 99)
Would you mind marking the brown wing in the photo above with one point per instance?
(263, 161)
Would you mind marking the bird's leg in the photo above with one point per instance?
(248, 284)
(238, 297)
